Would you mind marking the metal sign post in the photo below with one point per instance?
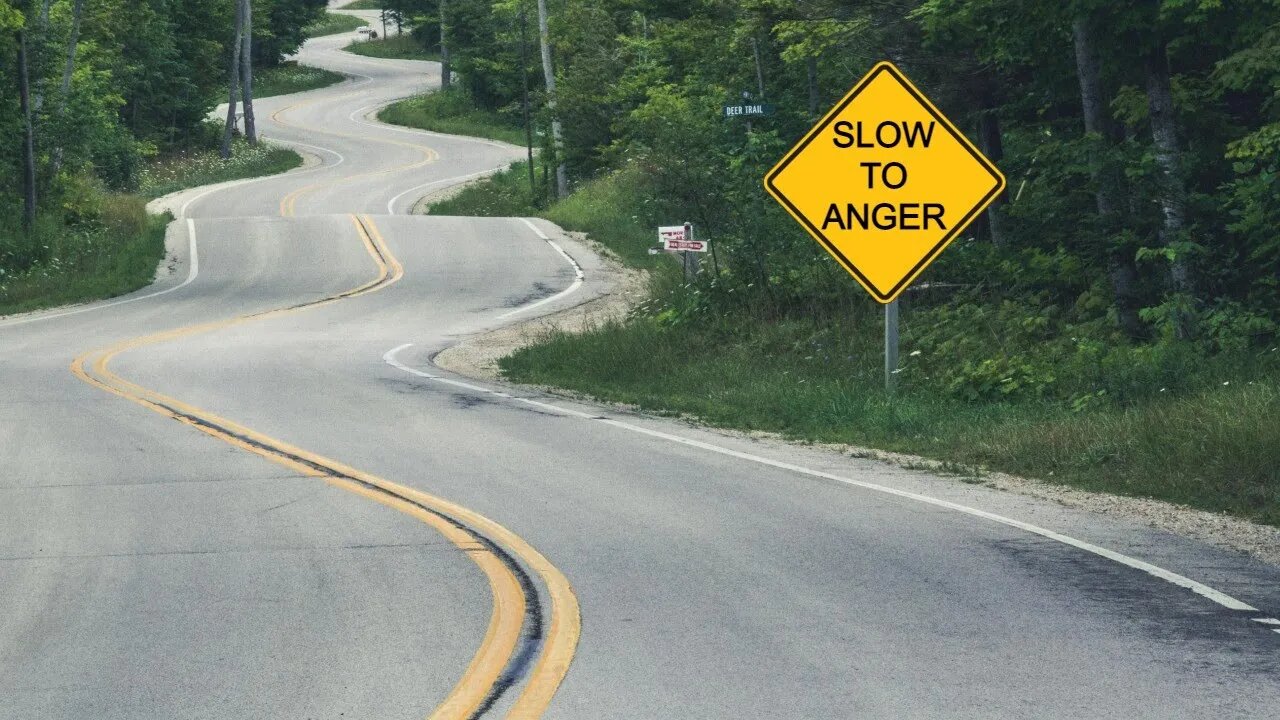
(890, 346)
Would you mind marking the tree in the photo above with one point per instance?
(233, 79)
(446, 65)
(1107, 191)
(29, 135)
(246, 70)
(67, 70)
(549, 74)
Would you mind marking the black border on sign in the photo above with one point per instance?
(892, 294)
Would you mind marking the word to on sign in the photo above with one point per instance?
(674, 238)
(884, 182)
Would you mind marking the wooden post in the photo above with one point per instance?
(891, 346)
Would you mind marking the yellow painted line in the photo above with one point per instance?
(289, 203)
(509, 601)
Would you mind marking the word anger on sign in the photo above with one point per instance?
(884, 182)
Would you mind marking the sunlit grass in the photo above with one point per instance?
(453, 112)
(193, 168)
(393, 47)
(292, 78)
(333, 24)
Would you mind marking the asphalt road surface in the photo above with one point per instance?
(246, 492)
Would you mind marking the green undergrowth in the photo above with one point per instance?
(102, 244)
(394, 47)
(178, 171)
(364, 5)
(292, 78)
(453, 112)
(1215, 447)
(59, 262)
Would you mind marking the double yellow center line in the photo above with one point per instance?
(499, 553)
(289, 203)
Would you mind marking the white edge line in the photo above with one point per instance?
(577, 270)
(1169, 576)
(193, 269)
(456, 179)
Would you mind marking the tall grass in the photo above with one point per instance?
(193, 168)
(292, 78)
(114, 254)
(1217, 448)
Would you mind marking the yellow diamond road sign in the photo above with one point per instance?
(884, 182)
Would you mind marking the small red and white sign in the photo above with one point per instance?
(675, 238)
(687, 245)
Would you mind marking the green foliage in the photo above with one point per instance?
(281, 26)
(503, 194)
(292, 78)
(111, 253)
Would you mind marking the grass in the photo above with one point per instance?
(1216, 449)
(452, 112)
(180, 171)
(363, 5)
(292, 78)
(333, 24)
(392, 47)
(113, 256)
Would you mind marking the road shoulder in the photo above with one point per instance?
(477, 357)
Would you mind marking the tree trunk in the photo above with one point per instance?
(755, 53)
(77, 11)
(42, 26)
(524, 76)
(446, 63)
(548, 72)
(992, 144)
(29, 136)
(1120, 264)
(233, 73)
(1173, 193)
(246, 71)
(811, 71)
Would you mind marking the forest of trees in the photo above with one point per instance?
(93, 88)
(1141, 139)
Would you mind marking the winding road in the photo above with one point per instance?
(247, 492)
